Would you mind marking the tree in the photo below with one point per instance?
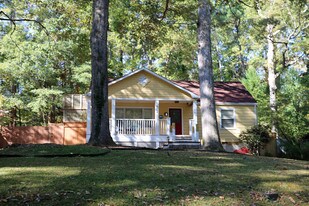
(282, 23)
(210, 133)
(100, 134)
(32, 61)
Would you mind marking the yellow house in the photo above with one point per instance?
(148, 110)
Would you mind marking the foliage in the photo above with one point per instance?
(257, 86)
(256, 137)
(45, 102)
(295, 149)
(149, 34)
(34, 65)
(149, 177)
(293, 108)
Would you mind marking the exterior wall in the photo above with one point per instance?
(244, 116)
(187, 113)
(74, 108)
(155, 89)
(66, 134)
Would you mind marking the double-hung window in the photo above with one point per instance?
(134, 113)
(228, 118)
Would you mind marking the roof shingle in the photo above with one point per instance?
(234, 92)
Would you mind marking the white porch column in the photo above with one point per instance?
(194, 133)
(168, 128)
(88, 129)
(113, 132)
(157, 118)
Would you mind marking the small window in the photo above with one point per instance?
(227, 118)
(119, 113)
(133, 113)
(147, 113)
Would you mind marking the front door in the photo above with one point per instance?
(175, 115)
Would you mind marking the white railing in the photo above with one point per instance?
(135, 126)
(140, 126)
(192, 129)
(163, 126)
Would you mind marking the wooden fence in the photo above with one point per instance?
(68, 133)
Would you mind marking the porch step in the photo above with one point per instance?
(183, 137)
(182, 145)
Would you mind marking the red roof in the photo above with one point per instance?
(224, 91)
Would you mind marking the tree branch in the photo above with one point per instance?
(13, 21)
(165, 10)
(240, 1)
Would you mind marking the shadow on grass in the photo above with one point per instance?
(153, 177)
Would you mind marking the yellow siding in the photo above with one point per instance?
(245, 117)
(186, 113)
(156, 88)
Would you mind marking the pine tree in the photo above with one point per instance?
(210, 133)
(100, 133)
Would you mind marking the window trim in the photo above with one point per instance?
(124, 108)
(234, 118)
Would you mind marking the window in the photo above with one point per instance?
(227, 118)
(133, 113)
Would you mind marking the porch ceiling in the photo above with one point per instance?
(153, 101)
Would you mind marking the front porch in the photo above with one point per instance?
(142, 133)
(155, 126)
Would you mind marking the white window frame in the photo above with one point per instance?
(234, 118)
(124, 108)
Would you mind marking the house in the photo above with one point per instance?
(148, 110)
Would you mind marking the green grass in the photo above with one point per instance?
(149, 177)
(50, 150)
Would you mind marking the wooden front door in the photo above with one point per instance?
(176, 117)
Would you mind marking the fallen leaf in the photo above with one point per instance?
(292, 200)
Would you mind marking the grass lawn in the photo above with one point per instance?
(151, 177)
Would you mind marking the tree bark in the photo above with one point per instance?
(210, 133)
(100, 134)
(271, 75)
(242, 68)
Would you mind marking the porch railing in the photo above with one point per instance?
(163, 126)
(135, 126)
(148, 127)
(193, 130)
(140, 126)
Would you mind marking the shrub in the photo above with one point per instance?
(296, 148)
(256, 137)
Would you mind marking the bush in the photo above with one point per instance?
(256, 137)
(296, 149)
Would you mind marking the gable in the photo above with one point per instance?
(145, 85)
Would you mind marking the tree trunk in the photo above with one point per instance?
(210, 134)
(219, 62)
(242, 68)
(100, 134)
(271, 76)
